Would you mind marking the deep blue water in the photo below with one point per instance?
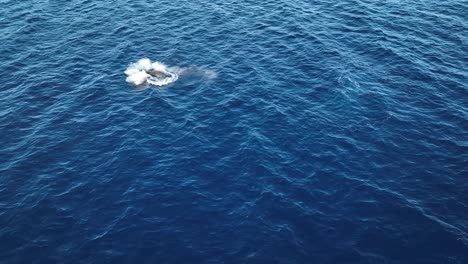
(326, 132)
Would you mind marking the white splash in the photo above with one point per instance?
(137, 73)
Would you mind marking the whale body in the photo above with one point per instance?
(158, 74)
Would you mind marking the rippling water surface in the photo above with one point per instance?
(299, 132)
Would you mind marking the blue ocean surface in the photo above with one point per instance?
(297, 132)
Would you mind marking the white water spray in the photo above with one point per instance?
(137, 73)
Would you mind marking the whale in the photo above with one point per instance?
(144, 73)
(158, 74)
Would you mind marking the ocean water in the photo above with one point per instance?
(297, 132)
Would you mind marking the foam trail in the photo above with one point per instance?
(197, 71)
(137, 73)
(209, 74)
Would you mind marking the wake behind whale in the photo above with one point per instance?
(145, 72)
